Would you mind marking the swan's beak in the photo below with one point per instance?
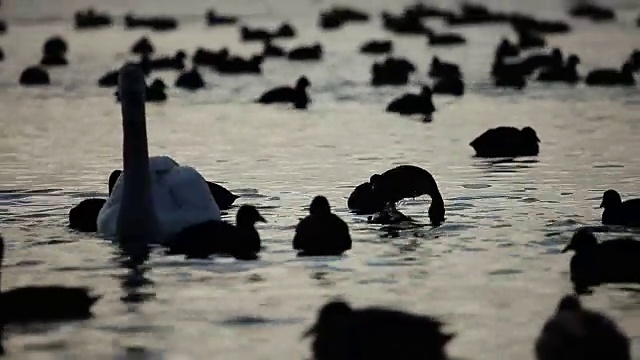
(567, 248)
(602, 204)
(261, 219)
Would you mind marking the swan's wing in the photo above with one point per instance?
(182, 198)
(108, 215)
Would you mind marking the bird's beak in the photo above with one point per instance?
(602, 204)
(567, 248)
(261, 219)
(310, 331)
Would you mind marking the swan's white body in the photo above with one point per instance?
(154, 198)
(181, 198)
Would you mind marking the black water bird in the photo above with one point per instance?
(414, 104)
(612, 77)
(610, 261)
(618, 212)
(408, 181)
(439, 68)
(567, 73)
(296, 95)
(343, 333)
(506, 141)
(143, 46)
(377, 47)
(34, 76)
(322, 232)
(241, 241)
(190, 80)
(576, 333)
(312, 52)
(214, 19)
(43, 303)
(91, 19)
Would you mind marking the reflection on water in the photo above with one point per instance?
(492, 271)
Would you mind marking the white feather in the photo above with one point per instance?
(181, 198)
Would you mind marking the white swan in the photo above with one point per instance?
(154, 198)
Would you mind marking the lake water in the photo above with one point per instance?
(493, 271)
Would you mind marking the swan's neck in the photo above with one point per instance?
(137, 222)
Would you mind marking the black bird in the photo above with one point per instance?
(241, 241)
(611, 261)
(612, 77)
(440, 68)
(576, 333)
(617, 212)
(408, 181)
(34, 76)
(296, 95)
(363, 200)
(190, 80)
(84, 216)
(313, 52)
(375, 333)
(412, 104)
(143, 46)
(213, 19)
(377, 47)
(506, 141)
(567, 73)
(449, 85)
(321, 232)
(43, 303)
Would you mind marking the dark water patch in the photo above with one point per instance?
(607, 166)
(53, 345)
(476, 186)
(253, 320)
(51, 242)
(505, 272)
(373, 158)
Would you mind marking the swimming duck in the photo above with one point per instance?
(506, 141)
(574, 332)
(190, 80)
(449, 85)
(611, 261)
(392, 71)
(213, 19)
(322, 232)
(435, 39)
(34, 75)
(612, 77)
(440, 68)
(375, 333)
(313, 52)
(90, 18)
(143, 46)
(340, 15)
(617, 212)
(270, 50)
(409, 181)
(567, 73)
(157, 23)
(83, 216)
(376, 47)
(43, 303)
(55, 45)
(363, 200)
(411, 104)
(592, 12)
(241, 241)
(175, 62)
(296, 95)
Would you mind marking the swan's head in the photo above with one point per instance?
(436, 212)
(302, 83)
(627, 68)
(131, 81)
(530, 134)
(582, 240)
(319, 205)
(610, 198)
(330, 316)
(181, 55)
(248, 215)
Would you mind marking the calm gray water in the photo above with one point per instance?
(493, 271)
